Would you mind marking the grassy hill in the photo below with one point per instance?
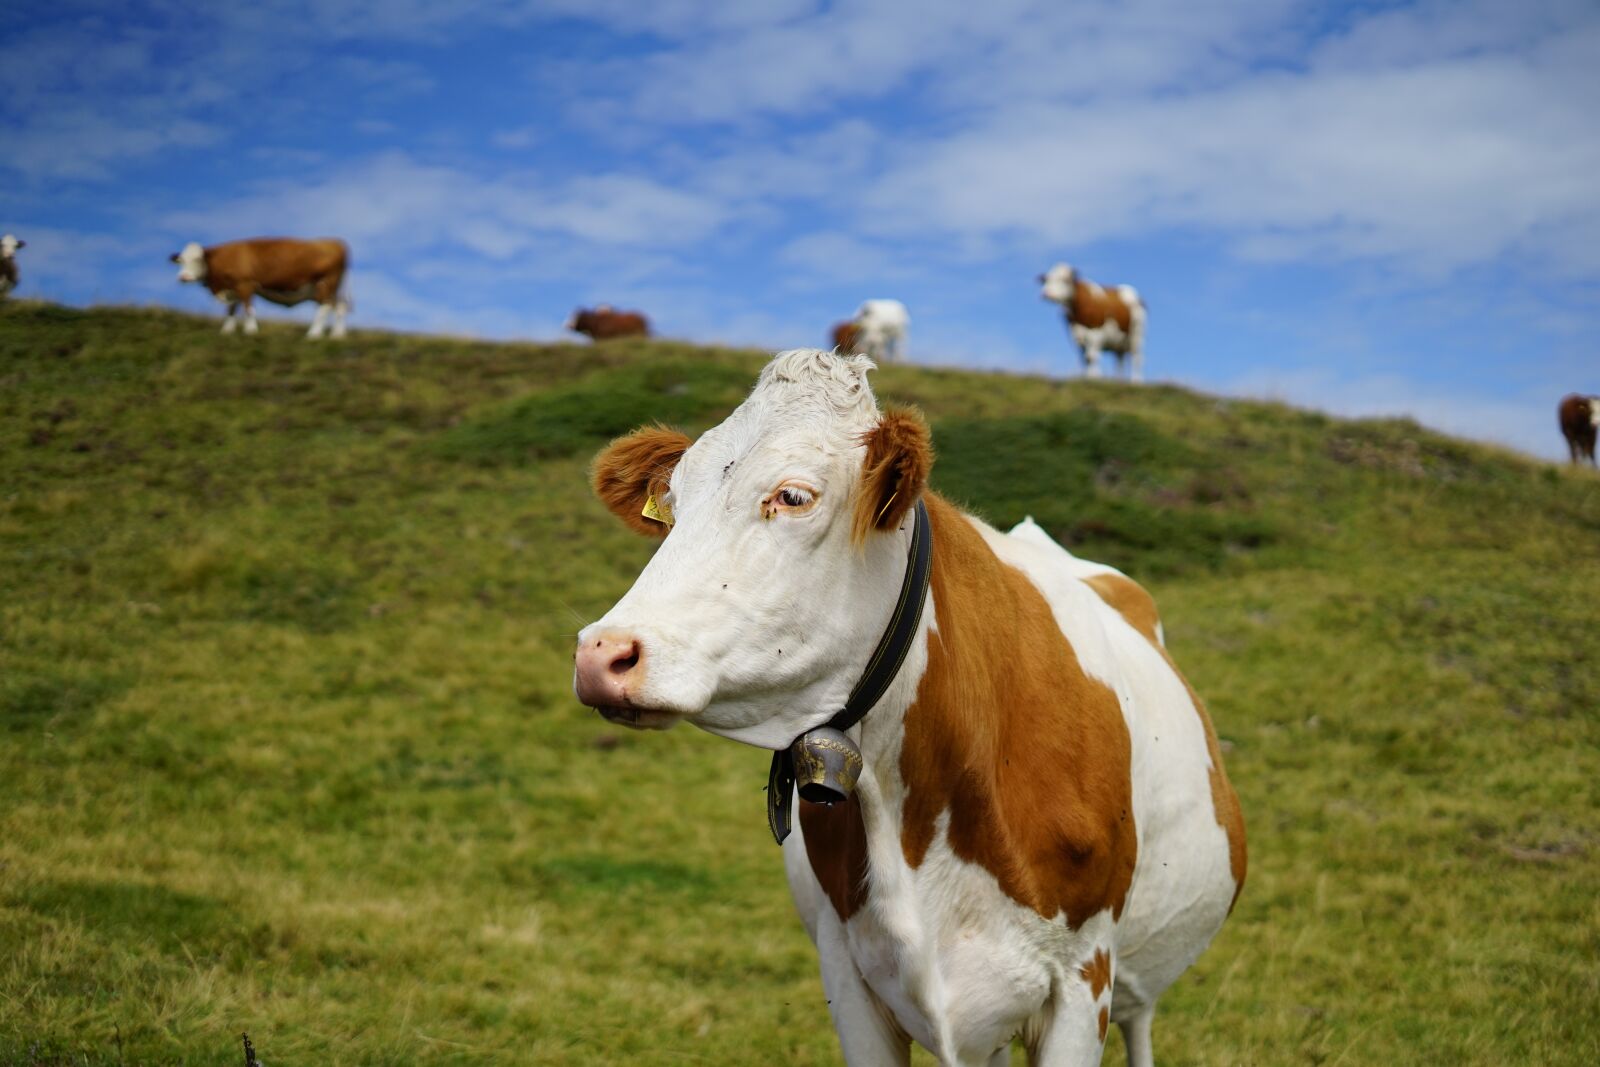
(287, 743)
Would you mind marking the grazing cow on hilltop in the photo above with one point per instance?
(1580, 418)
(8, 263)
(1030, 830)
(846, 337)
(1101, 319)
(283, 270)
(604, 323)
(882, 327)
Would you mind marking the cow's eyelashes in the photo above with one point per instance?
(790, 498)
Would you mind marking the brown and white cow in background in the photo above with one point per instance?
(605, 323)
(883, 330)
(1101, 319)
(1580, 421)
(8, 263)
(1042, 837)
(283, 270)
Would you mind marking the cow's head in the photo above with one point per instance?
(191, 262)
(1057, 283)
(9, 245)
(781, 563)
(579, 321)
(1594, 411)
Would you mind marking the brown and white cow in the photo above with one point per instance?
(1580, 419)
(846, 337)
(605, 323)
(8, 263)
(1101, 319)
(283, 270)
(1042, 837)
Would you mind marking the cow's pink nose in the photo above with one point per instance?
(608, 666)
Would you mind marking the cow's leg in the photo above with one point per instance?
(317, 321)
(1076, 1031)
(341, 308)
(250, 323)
(867, 1037)
(1091, 360)
(1136, 1036)
(1136, 342)
(229, 323)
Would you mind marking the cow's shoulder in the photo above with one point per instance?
(1016, 754)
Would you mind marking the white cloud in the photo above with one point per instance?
(398, 206)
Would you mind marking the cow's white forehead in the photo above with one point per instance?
(805, 399)
(8, 244)
(192, 250)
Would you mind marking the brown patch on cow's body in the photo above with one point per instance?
(1028, 755)
(1104, 1022)
(1129, 599)
(277, 268)
(1092, 305)
(631, 469)
(836, 846)
(1097, 972)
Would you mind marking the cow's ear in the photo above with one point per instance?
(173, 258)
(633, 470)
(894, 473)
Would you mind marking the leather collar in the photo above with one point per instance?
(885, 663)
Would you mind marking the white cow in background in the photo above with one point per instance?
(884, 325)
(8, 262)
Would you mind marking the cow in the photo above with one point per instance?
(1100, 319)
(1036, 836)
(1580, 418)
(882, 327)
(284, 270)
(605, 323)
(846, 337)
(8, 263)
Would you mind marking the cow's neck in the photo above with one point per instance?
(994, 745)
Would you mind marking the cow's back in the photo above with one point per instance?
(1191, 834)
(277, 263)
(1094, 307)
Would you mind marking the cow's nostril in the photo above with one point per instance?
(624, 664)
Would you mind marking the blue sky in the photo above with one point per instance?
(1367, 208)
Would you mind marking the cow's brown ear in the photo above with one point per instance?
(634, 469)
(894, 474)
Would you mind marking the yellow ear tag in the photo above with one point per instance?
(656, 511)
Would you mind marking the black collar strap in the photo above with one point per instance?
(886, 661)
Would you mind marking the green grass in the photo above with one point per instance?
(287, 744)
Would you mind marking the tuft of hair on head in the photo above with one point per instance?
(894, 472)
(632, 469)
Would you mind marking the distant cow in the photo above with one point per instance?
(1580, 417)
(846, 337)
(605, 323)
(882, 326)
(1101, 319)
(284, 270)
(8, 262)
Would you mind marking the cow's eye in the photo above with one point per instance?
(792, 498)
